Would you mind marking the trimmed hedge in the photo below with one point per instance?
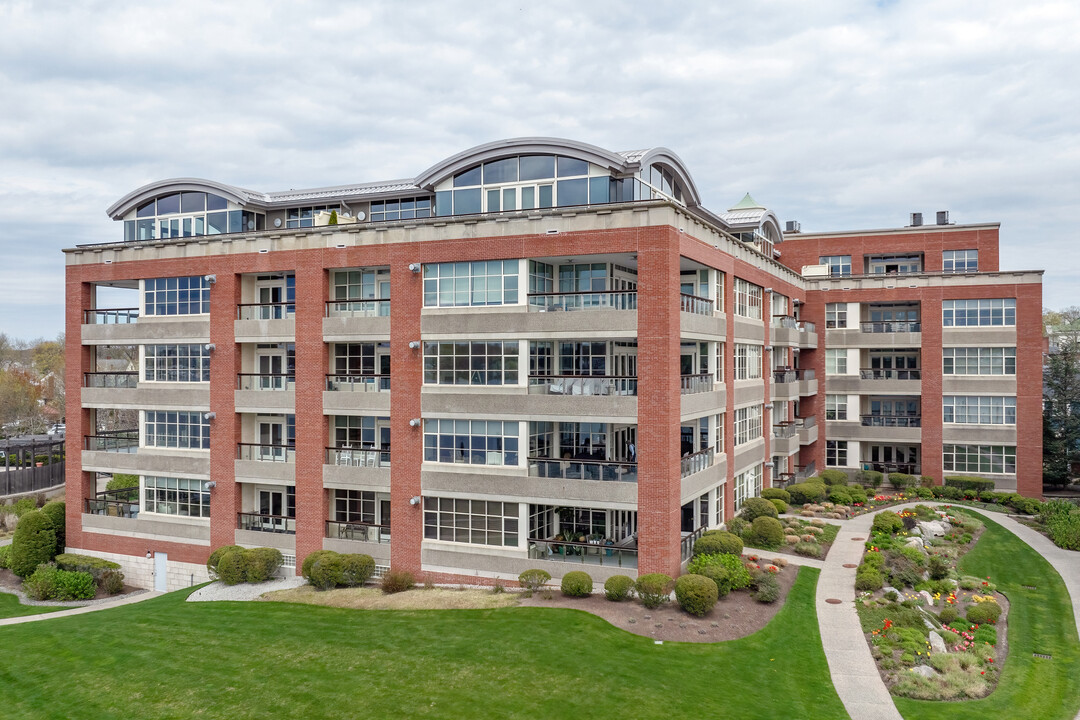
(1064, 530)
(34, 543)
(727, 571)
(983, 612)
(756, 507)
(780, 505)
(899, 481)
(232, 568)
(322, 569)
(576, 583)
(696, 594)
(214, 560)
(967, 482)
(97, 567)
(776, 494)
(834, 477)
(261, 563)
(50, 583)
(55, 511)
(873, 478)
(654, 589)
(888, 522)
(618, 587)
(5, 556)
(811, 491)
(718, 542)
(765, 532)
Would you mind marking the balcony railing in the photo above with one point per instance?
(583, 469)
(266, 453)
(806, 422)
(367, 532)
(904, 468)
(803, 472)
(699, 383)
(127, 495)
(785, 321)
(582, 385)
(785, 430)
(785, 376)
(121, 441)
(358, 308)
(889, 374)
(808, 327)
(784, 479)
(111, 508)
(603, 300)
(266, 523)
(686, 543)
(806, 374)
(891, 327)
(358, 383)
(697, 462)
(111, 380)
(896, 421)
(265, 311)
(256, 381)
(695, 304)
(358, 457)
(110, 316)
(598, 552)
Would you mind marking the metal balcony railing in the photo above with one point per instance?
(124, 441)
(358, 308)
(785, 430)
(691, 384)
(257, 381)
(266, 453)
(582, 385)
(583, 469)
(889, 374)
(697, 462)
(111, 380)
(891, 327)
(785, 376)
(266, 523)
(695, 304)
(366, 532)
(785, 321)
(358, 383)
(265, 311)
(896, 421)
(358, 457)
(110, 316)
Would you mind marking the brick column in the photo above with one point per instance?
(407, 446)
(813, 310)
(659, 402)
(77, 358)
(930, 392)
(1029, 344)
(224, 365)
(311, 439)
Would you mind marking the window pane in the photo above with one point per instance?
(572, 166)
(467, 202)
(467, 178)
(537, 167)
(501, 171)
(573, 192)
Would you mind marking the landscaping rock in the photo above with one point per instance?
(915, 531)
(931, 528)
(928, 597)
(925, 670)
(937, 643)
(889, 588)
(915, 542)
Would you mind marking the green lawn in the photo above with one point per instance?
(11, 607)
(1040, 620)
(164, 658)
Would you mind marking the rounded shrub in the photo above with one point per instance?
(262, 563)
(868, 579)
(696, 594)
(736, 525)
(766, 532)
(874, 559)
(834, 477)
(618, 587)
(871, 478)
(840, 495)
(356, 569)
(654, 589)
(55, 512)
(34, 543)
(42, 583)
(322, 569)
(112, 581)
(232, 568)
(811, 491)
(987, 611)
(215, 558)
(727, 571)
(776, 494)
(397, 581)
(74, 586)
(780, 505)
(576, 584)
(924, 493)
(533, 580)
(757, 507)
(857, 493)
(888, 522)
(768, 588)
(948, 615)
(718, 543)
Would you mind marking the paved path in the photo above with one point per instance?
(81, 610)
(5, 541)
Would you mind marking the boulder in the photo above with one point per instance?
(889, 588)
(925, 670)
(928, 597)
(931, 528)
(937, 643)
(915, 542)
(915, 532)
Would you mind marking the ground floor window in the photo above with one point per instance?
(479, 522)
(836, 453)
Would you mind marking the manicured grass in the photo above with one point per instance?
(1040, 620)
(164, 658)
(11, 607)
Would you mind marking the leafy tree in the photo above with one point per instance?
(1061, 396)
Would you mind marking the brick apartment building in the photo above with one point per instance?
(531, 341)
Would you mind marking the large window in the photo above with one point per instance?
(474, 442)
(176, 496)
(748, 485)
(359, 506)
(176, 363)
(747, 361)
(403, 209)
(979, 409)
(960, 261)
(541, 277)
(979, 361)
(361, 431)
(189, 214)
(983, 313)
(176, 296)
(471, 363)
(836, 315)
(170, 429)
(836, 453)
(299, 217)
(367, 284)
(838, 264)
(718, 437)
(747, 299)
(492, 282)
(747, 424)
(836, 362)
(479, 522)
(361, 359)
(836, 407)
(998, 459)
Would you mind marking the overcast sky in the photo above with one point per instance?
(842, 115)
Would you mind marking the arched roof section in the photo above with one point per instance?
(137, 197)
(770, 221)
(667, 158)
(520, 146)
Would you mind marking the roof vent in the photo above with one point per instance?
(916, 219)
(792, 226)
(942, 217)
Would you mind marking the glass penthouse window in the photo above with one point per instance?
(402, 209)
(985, 312)
(176, 296)
(461, 284)
(301, 217)
(189, 214)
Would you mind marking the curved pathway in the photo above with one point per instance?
(138, 597)
(854, 673)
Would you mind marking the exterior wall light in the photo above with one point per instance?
(210, 278)
(415, 267)
(414, 500)
(414, 344)
(209, 347)
(209, 415)
(415, 422)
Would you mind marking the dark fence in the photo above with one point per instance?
(31, 467)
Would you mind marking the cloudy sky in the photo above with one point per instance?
(842, 115)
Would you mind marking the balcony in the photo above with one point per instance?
(786, 376)
(582, 385)
(891, 421)
(693, 384)
(364, 532)
(889, 374)
(785, 439)
(266, 453)
(697, 462)
(805, 472)
(357, 320)
(603, 300)
(358, 457)
(695, 305)
(111, 316)
(358, 383)
(808, 384)
(265, 322)
(266, 523)
(111, 380)
(260, 382)
(358, 308)
(596, 552)
(808, 432)
(265, 311)
(891, 327)
(111, 508)
(785, 330)
(568, 469)
(115, 441)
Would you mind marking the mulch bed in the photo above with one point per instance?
(734, 616)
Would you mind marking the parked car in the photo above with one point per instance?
(57, 429)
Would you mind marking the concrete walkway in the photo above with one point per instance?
(854, 673)
(80, 610)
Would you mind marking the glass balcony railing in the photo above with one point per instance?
(266, 523)
(256, 381)
(265, 311)
(598, 552)
(889, 374)
(895, 421)
(266, 453)
(583, 469)
(785, 321)
(358, 383)
(891, 327)
(785, 430)
(358, 308)
(366, 532)
(113, 316)
(601, 300)
(582, 385)
(785, 376)
(358, 457)
(122, 441)
(110, 380)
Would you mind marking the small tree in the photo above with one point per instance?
(1061, 409)
(333, 218)
(34, 543)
